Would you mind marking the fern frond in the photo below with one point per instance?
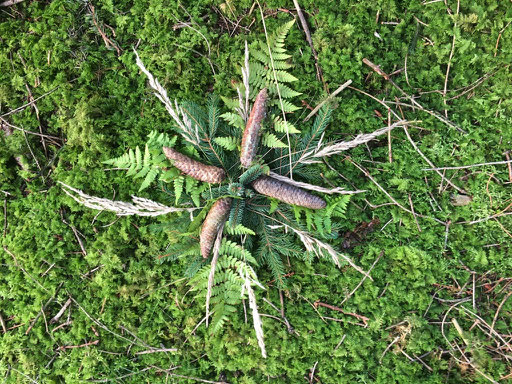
(238, 230)
(150, 177)
(282, 126)
(148, 166)
(271, 141)
(234, 119)
(178, 187)
(228, 143)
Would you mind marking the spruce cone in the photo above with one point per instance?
(288, 193)
(194, 168)
(252, 130)
(216, 217)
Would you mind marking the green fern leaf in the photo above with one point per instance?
(150, 177)
(238, 230)
(234, 119)
(282, 126)
(178, 187)
(228, 143)
(270, 140)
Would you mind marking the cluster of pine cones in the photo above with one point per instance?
(265, 185)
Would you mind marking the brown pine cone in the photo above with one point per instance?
(216, 217)
(287, 193)
(194, 168)
(252, 130)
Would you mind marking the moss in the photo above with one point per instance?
(99, 104)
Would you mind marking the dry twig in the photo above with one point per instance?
(305, 27)
(362, 280)
(327, 99)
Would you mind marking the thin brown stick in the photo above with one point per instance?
(212, 271)
(31, 102)
(2, 323)
(28, 132)
(414, 103)
(305, 27)
(43, 308)
(75, 232)
(499, 37)
(99, 324)
(498, 310)
(8, 3)
(281, 312)
(468, 166)
(362, 280)
(367, 174)
(414, 213)
(23, 269)
(312, 374)
(509, 166)
(503, 228)
(36, 110)
(106, 40)
(340, 342)
(450, 60)
(364, 319)
(64, 347)
(390, 152)
(388, 347)
(328, 98)
(68, 322)
(5, 216)
(156, 351)
(430, 162)
(61, 312)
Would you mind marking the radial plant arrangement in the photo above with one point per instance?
(248, 173)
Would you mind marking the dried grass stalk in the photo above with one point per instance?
(213, 223)
(141, 206)
(315, 155)
(193, 168)
(187, 130)
(287, 193)
(211, 276)
(252, 129)
(312, 187)
(256, 318)
(319, 248)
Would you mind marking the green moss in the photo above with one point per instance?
(100, 105)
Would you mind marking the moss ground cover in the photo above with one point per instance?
(90, 297)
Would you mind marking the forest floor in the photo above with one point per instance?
(88, 296)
